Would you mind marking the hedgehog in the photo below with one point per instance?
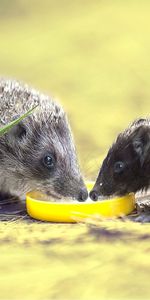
(38, 153)
(126, 167)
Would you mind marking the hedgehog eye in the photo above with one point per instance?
(119, 167)
(49, 161)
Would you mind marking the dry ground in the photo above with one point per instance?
(97, 260)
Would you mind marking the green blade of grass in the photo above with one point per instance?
(7, 127)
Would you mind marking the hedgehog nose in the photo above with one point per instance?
(94, 195)
(83, 195)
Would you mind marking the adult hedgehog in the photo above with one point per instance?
(39, 152)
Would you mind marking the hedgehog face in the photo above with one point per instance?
(118, 174)
(124, 168)
(43, 157)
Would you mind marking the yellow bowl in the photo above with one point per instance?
(40, 209)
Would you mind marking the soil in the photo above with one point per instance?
(94, 259)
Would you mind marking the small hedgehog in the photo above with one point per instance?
(126, 167)
(39, 152)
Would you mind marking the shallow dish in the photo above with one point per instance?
(41, 208)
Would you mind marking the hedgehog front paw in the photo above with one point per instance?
(144, 217)
(11, 205)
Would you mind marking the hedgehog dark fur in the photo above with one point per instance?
(126, 167)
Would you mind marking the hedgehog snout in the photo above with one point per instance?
(83, 195)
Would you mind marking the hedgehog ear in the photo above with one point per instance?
(17, 132)
(141, 143)
(138, 147)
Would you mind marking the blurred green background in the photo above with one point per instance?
(92, 55)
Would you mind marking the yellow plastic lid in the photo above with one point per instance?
(41, 208)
